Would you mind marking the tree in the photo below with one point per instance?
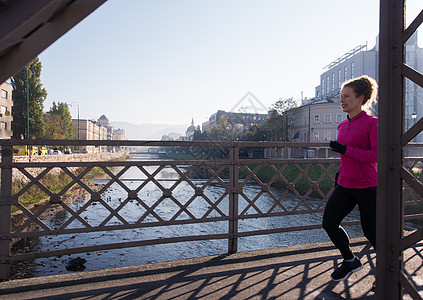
(225, 130)
(198, 135)
(278, 124)
(283, 105)
(58, 122)
(28, 92)
(274, 127)
(254, 133)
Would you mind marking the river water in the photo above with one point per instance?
(114, 196)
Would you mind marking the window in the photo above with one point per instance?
(327, 84)
(327, 136)
(333, 81)
(345, 73)
(305, 120)
(316, 118)
(3, 125)
(4, 94)
(339, 78)
(323, 86)
(328, 118)
(3, 109)
(316, 136)
(352, 70)
(338, 118)
(305, 137)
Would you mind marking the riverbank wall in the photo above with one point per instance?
(86, 157)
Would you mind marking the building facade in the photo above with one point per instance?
(355, 63)
(90, 130)
(317, 119)
(6, 104)
(98, 130)
(361, 61)
(243, 120)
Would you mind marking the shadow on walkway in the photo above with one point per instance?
(298, 272)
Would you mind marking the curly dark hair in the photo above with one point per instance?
(363, 85)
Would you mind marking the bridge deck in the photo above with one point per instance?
(297, 272)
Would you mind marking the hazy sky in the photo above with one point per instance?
(168, 61)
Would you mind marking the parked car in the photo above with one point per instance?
(68, 151)
(57, 152)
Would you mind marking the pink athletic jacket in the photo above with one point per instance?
(358, 167)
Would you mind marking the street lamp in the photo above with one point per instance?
(71, 105)
(414, 116)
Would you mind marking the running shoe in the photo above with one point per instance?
(346, 269)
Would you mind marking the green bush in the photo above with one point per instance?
(53, 182)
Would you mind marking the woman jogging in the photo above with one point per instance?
(357, 180)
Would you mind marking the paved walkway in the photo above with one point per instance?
(298, 272)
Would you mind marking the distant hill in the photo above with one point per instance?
(149, 131)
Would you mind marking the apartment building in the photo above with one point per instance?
(98, 130)
(6, 111)
(118, 135)
(315, 121)
(359, 61)
(90, 130)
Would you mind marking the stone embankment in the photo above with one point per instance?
(27, 268)
(86, 157)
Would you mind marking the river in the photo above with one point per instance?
(95, 214)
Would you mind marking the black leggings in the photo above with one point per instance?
(340, 204)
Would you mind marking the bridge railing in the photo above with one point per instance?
(188, 184)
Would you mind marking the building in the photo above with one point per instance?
(6, 104)
(189, 133)
(118, 135)
(243, 120)
(361, 61)
(98, 130)
(104, 121)
(212, 121)
(90, 130)
(316, 120)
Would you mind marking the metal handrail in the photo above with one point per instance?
(223, 171)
